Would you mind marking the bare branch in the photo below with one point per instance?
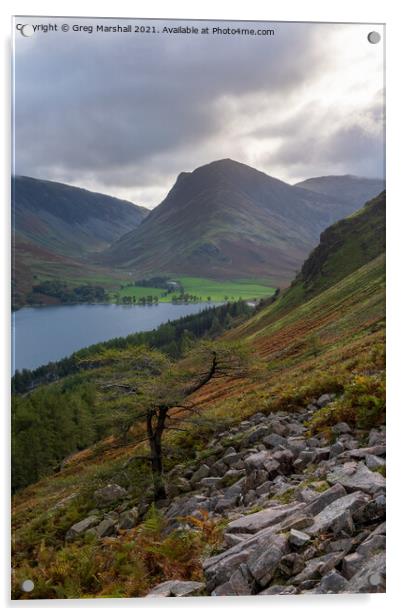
(204, 379)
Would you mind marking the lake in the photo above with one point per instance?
(49, 333)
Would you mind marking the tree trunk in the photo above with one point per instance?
(155, 443)
(156, 419)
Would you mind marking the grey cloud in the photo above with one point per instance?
(351, 144)
(130, 110)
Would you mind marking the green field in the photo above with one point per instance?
(224, 290)
(204, 289)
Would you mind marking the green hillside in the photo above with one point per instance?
(343, 248)
(67, 220)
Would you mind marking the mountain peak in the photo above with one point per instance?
(226, 164)
(228, 219)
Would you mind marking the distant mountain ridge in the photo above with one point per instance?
(352, 189)
(226, 219)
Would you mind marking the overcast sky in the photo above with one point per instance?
(124, 114)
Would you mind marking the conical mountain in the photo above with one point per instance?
(225, 220)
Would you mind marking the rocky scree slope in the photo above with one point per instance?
(303, 514)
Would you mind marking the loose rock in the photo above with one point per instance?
(336, 515)
(262, 519)
(176, 588)
(264, 562)
(356, 478)
(80, 527)
(297, 538)
(128, 519)
(109, 494)
(370, 578)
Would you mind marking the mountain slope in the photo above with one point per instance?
(56, 227)
(68, 220)
(344, 247)
(351, 189)
(331, 343)
(228, 219)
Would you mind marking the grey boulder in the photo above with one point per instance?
(337, 515)
(324, 499)
(257, 461)
(356, 477)
(106, 527)
(109, 494)
(297, 538)
(370, 578)
(324, 400)
(255, 522)
(332, 583)
(372, 511)
(199, 474)
(318, 567)
(176, 588)
(263, 562)
(128, 519)
(80, 527)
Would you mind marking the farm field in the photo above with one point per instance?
(203, 288)
(229, 289)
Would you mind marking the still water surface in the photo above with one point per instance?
(50, 333)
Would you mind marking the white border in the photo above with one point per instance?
(287, 10)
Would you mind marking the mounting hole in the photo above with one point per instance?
(374, 37)
(27, 585)
(375, 579)
(27, 30)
